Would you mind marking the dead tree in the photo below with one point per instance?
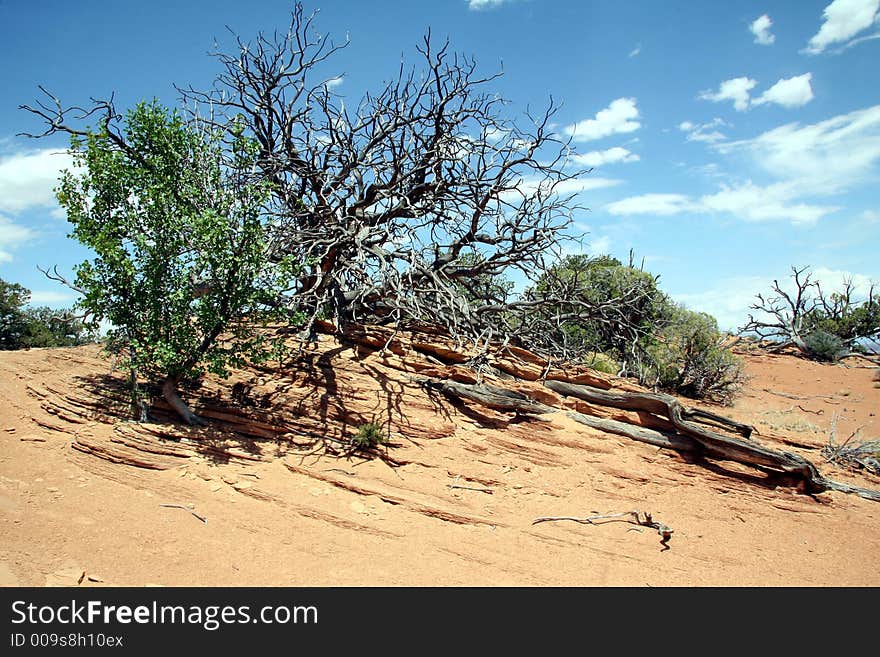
(789, 318)
(787, 313)
(401, 207)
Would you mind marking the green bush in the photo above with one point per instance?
(825, 346)
(687, 357)
(369, 436)
(602, 363)
(23, 327)
(595, 282)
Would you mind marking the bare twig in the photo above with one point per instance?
(481, 490)
(634, 517)
(180, 506)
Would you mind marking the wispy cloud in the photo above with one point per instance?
(843, 20)
(760, 27)
(729, 299)
(704, 132)
(481, 5)
(635, 51)
(823, 159)
(12, 236)
(828, 157)
(653, 204)
(619, 117)
(609, 156)
(28, 178)
(51, 297)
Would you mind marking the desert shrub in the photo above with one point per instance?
(825, 346)
(24, 327)
(627, 302)
(369, 436)
(602, 363)
(687, 356)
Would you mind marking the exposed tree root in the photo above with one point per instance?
(169, 392)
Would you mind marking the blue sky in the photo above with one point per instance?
(728, 140)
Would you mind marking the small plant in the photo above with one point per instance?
(602, 363)
(369, 436)
(825, 346)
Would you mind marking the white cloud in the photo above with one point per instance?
(600, 246)
(729, 300)
(760, 27)
(574, 186)
(27, 179)
(704, 132)
(832, 280)
(618, 117)
(791, 92)
(11, 237)
(843, 20)
(737, 90)
(332, 83)
(824, 158)
(610, 156)
(658, 204)
(756, 203)
(804, 162)
(635, 51)
(748, 202)
(479, 5)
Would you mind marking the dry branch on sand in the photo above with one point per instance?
(634, 517)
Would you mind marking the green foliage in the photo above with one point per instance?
(23, 327)
(663, 344)
(175, 223)
(602, 363)
(596, 281)
(846, 320)
(825, 346)
(686, 356)
(13, 322)
(481, 287)
(369, 436)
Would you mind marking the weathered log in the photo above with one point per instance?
(658, 404)
(635, 432)
(691, 437)
(490, 396)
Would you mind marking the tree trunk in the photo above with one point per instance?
(169, 392)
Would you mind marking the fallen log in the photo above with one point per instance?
(690, 436)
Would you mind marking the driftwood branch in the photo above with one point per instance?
(634, 517)
(185, 508)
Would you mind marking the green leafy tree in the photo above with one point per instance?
(180, 270)
(634, 323)
(13, 322)
(22, 327)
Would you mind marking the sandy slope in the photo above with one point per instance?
(453, 503)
